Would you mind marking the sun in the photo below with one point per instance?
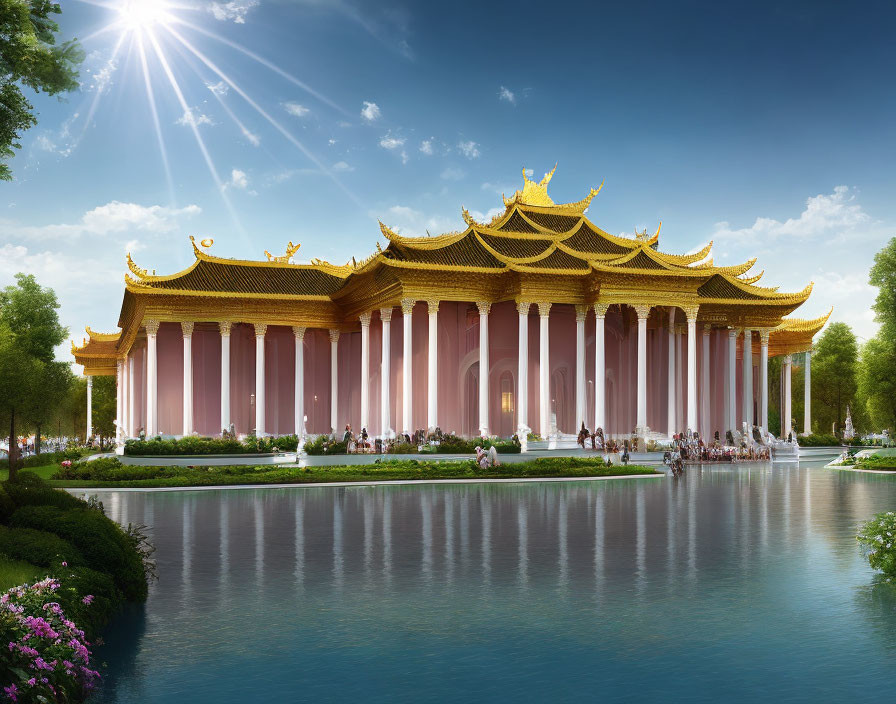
(143, 14)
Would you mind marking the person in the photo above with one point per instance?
(493, 457)
(583, 436)
(364, 440)
(481, 458)
(625, 456)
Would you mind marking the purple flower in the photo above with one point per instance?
(87, 599)
(11, 692)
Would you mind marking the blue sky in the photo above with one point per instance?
(767, 127)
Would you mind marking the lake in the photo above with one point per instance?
(742, 583)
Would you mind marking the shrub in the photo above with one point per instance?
(104, 545)
(78, 582)
(324, 445)
(47, 658)
(878, 538)
(816, 440)
(880, 462)
(38, 547)
(7, 506)
(42, 460)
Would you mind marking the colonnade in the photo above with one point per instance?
(698, 408)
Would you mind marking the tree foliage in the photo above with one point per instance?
(834, 376)
(30, 58)
(883, 275)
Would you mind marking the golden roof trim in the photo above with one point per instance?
(804, 325)
(536, 194)
(102, 336)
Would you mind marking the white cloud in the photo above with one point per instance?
(390, 142)
(295, 109)
(238, 179)
(426, 147)
(331, 142)
(253, 138)
(193, 117)
(370, 111)
(220, 88)
(235, 10)
(507, 95)
(404, 157)
(407, 220)
(469, 149)
(479, 216)
(452, 173)
(102, 79)
(342, 166)
(825, 216)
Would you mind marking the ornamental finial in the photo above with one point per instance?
(286, 258)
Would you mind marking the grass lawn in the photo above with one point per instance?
(142, 477)
(15, 572)
(43, 472)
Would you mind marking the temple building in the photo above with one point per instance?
(535, 320)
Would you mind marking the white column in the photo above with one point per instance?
(407, 365)
(484, 308)
(187, 330)
(807, 395)
(89, 409)
(132, 419)
(152, 387)
(580, 366)
(522, 372)
(365, 370)
(600, 367)
(260, 330)
(119, 400)
(299, 392)
(544, 369)
(643, 311)
(763, 380)
(125, 418)
(691, 314)
(748, 378)
(224, 327)
(672, 421)
(432, 372)
(334, 382)
(732, 379)
(706, 430)
(385, 374)
(786, 368)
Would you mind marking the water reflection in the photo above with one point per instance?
(724, 565)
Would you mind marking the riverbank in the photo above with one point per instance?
(110, 473)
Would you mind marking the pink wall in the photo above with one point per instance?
(459, 373)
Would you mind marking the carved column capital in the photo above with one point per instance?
(152, 326)
(544, 309)
(763, 336)
(365, 320)
(484, 307)
(642, 310)
(432, 305)
(186, 327)
(733, 333)
(691, 312)
(334, 336)
(386, 315)
(407, 306)
(707, 329)
(600, 309)
(788, 359)
(581, 312)
(224, 327)
(299, 332)
(260, 329)
(522, 307)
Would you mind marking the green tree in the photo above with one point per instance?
(883, 275)
(877, 382)
(29, 330)
(30, 58)
(834, 376)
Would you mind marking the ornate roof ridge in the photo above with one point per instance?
(754, 279)
(812, 325)
(536, 194)
(429, 242)
(102, 336)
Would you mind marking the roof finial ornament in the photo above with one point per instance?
(286, 258)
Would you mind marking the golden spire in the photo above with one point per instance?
(533, 193)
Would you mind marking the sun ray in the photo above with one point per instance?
(155, 118)
(263, 61)
(99, 91)
(295, 142)
(199, 141)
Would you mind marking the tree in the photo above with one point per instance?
(877, 382)
(29, 332)
(30, 58)
(834, 376)
(883, 275)
(104, 406)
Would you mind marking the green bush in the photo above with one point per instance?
(324, 445)
(194, 445)
(880, 462)
(78, 582)
(817, 440)
(451, 444)
(44, 459)
(7, 506)
(102, 542)
(25, 491)
(878, 538)
(39, 547)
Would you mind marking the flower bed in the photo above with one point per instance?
(210, 446)
(388, 470)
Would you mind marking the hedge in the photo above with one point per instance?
(39, 547)
(104, 545)
(825, 441)
(195, 445)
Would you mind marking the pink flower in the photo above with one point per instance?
(11, 692)
(65, 564)
(87, 599)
